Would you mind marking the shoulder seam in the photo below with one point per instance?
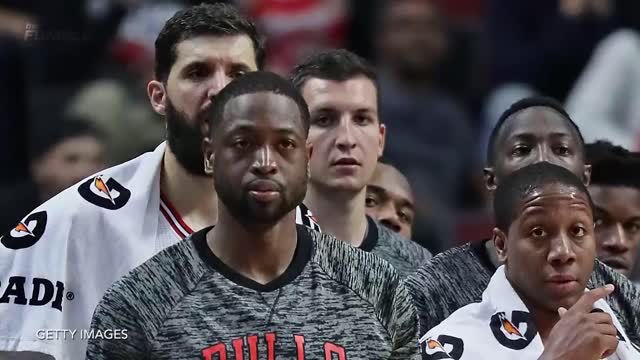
(371, 304)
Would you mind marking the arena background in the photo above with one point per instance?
(447, 69)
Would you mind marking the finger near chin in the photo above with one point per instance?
(585, 303)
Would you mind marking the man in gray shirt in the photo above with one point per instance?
(532, 130)
(257, 286)
(348, 138)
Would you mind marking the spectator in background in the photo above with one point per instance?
(539, 47)
(605, 100)
(117, 104)
(13, 107)
(46, 50)
(615, 190)
(429, 134)
(390, 199)
(297, 28)
(62, 153)
(545, 44)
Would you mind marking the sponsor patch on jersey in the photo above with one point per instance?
(27, 232)
(107, 194)
(442, 347)
(515, 332)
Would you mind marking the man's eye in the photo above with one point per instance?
(633, 228)
(197, 73)
(579, 231)
(521, 151)
(287, 144)
(562, 151)
(404, 217)
(237, 74)
(538, 233)
(322, 121)
(362, 120)
(370, 201)
(241, 144)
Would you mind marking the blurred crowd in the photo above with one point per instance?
(73, 96)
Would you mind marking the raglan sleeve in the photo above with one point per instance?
(625, 300)
(404, 329)
(118, 313)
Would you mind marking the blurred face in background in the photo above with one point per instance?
(413, 37)
(66, 163)
(617, 219)
(390, 200)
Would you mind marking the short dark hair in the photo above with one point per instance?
(205, 19)
(335, 65)
(526, 180)
(254, 82)
(524, 104)
(613, 165)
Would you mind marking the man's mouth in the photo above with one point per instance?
(264, 190)
(346, 161)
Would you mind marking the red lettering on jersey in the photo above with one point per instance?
(217, 349)
(238, 348)
(330, 349)
(253, 347)
(271, 342)
(299, 346)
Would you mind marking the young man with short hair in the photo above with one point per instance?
(532, 130)
(348, 138)
(615, 190)
(538, 305)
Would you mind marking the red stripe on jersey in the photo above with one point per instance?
(180, 234)
(175, 214)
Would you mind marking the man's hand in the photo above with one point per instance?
(581, 334)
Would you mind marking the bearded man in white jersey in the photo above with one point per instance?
(57, 262)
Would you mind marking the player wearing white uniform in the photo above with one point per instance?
(58, 262)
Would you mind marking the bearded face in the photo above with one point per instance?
(185, 140)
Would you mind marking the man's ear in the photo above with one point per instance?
(309, 153)
(309, 147)
(207, 150)
(587, 174)
(500, 244)
(157, 96)
(490, 179)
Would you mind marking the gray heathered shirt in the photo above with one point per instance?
(333, 302)
(404, 255)
(459, 276)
